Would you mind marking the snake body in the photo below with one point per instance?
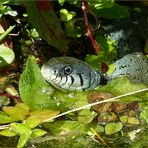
(68, 73)
(134, 66)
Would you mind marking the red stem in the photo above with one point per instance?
(16, 98)
(89, 30)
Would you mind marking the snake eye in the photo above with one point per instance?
(67, 70)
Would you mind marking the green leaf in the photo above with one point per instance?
(7, 133)
(38, 117)
(123, 118)
(6, 56)
(66, 127)
(45, 21)
(86, 116)
(19, 112)
(22, 140)
(100, 4)
(6, 10)
(120, 86)
(70, 100)
(61, 2)
(115, 12)
(143, 106)
(4, 118)
(34, 90)
(23, 131)
(129, 120)
(3, 2)
(66, 16)
(133, 120)
(99, 128)
(112, 127)
(37, 133)
(144, 112)
(2, 36)
(71, 30)
(34, 34)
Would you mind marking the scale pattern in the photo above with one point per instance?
(134, 66)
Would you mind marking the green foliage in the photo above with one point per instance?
(38, 117)
(100, 4)
(107, 49)
(66, 127)
(61, 1)
(121, 86)
(144, 107)
(7, 133)
(26, 130)
(40, 92)
(66, 16)
(124, 118)
(6, 56)
(113, 127)
(99, 128)
(144, 114)
(86, 116)
(62, 24)
(2, 36)
(23, 131)
(37, 133)
(18, 112)
(111, 10)
(71, 30)
(40, 15)
(70, 100)
(4, 118)
(6, 9)
(129, 120)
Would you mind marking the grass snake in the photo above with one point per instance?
(68, 73)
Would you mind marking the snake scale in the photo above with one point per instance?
(68, 73)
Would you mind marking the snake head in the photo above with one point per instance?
(68, 73)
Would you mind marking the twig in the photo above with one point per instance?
(96, 103)
(4, 127)
(99, 137)
(89, 30)
(96, 19)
